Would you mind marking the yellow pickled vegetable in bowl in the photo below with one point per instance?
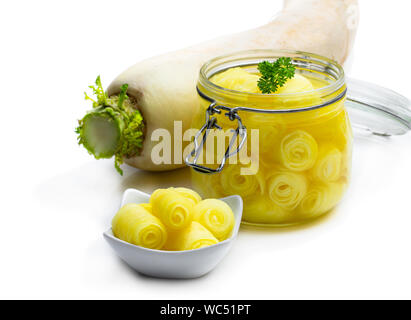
(136, 225)
(162, 224)
(172, 208)
(195, 236)
(188, 193)
(187, 253)
(216, 216)
(147, 206)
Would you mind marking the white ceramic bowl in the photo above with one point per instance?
(173, 264)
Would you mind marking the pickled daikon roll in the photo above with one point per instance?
(195, 236)
(147, 206)
(286, 189)
(172, 208)
(216, 216)
(321, 198)
(234, 182)
(298, 151)
(298, 83)
(188, 193)
(136, 225)
(237, 79)
(271, 130)
(328, 166)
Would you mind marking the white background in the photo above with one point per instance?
(56, 200)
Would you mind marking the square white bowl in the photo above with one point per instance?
(174, 264)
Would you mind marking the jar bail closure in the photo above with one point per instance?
(211, 123)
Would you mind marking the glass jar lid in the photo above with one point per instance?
(376, 109)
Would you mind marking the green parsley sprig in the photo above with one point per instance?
(275, 74)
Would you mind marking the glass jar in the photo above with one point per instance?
(299, 166)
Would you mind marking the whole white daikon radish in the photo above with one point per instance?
(163, 88)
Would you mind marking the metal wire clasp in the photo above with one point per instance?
(211, 123)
